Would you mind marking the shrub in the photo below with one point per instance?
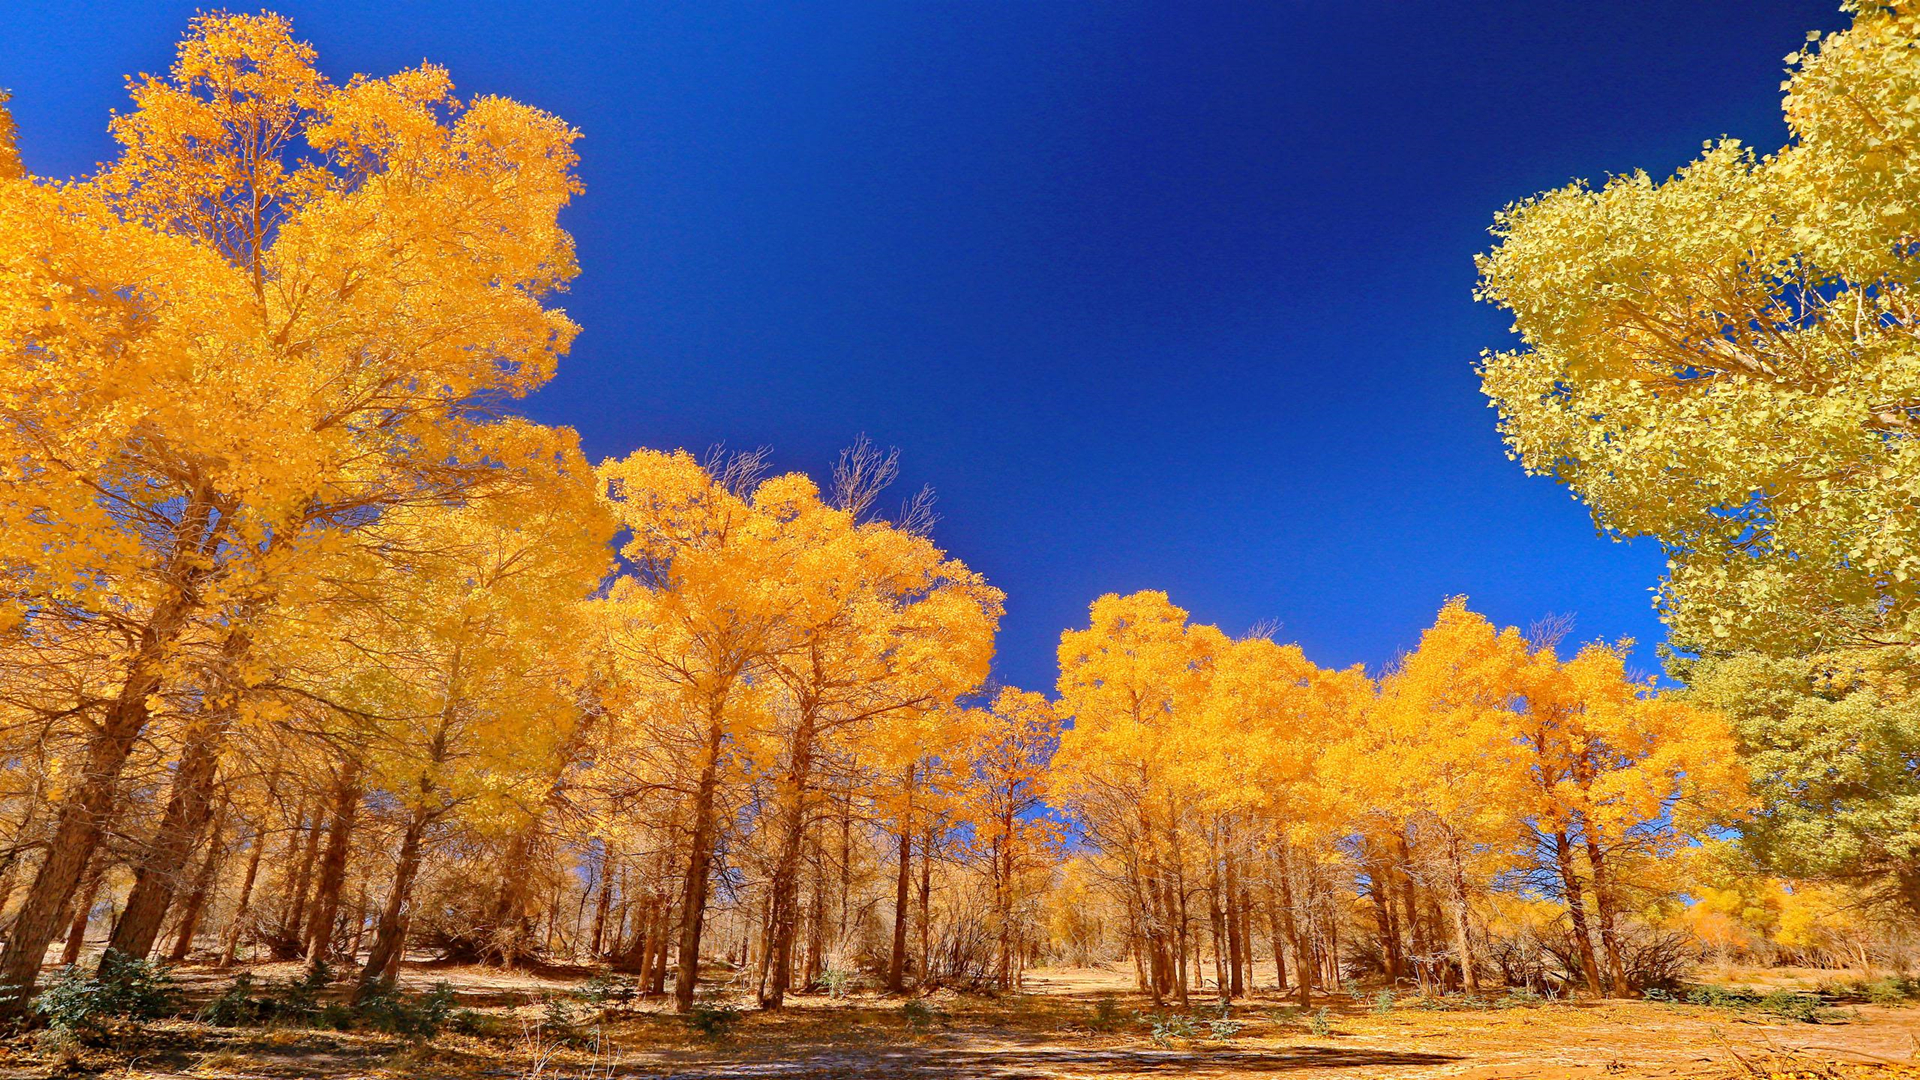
(418, 1016)
(89, 1007)
(609, 990)
(838, 982)
(235, 1007)
(712, 1019)
(1791, 1005)
(1891, 990)
(299, 999)
(1224, 1027)
(1723, 997)
(558, 1012)
(1383, 1002)
(1517, 997)
(920, 1016)
(1165, 1029)
(1319, 1024)
(1106, 1013)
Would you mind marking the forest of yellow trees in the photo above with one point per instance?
(312, 648)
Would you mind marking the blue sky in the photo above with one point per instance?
(1170, 295)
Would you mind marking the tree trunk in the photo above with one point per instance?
(83, 915)
(902, 887)
(699, 863)
(333, 863)
(239, 919)
(1603, 906)
(166, 855)
(1383, 918)
(926, 906)
(1577, 910)
(90, 803)
(1217, 923)
(605, 900)
(202, 886)
(1275, 931)
(1462, 929)
(1296, 939)
(389, 936)
(785, 882)
(294, 925)
(1235, 915)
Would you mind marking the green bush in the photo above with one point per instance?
(1891, 990)
(1724, 997)
(1319, 1024)
(298, 1000)
(1106, 1014)
(839, 983)
(415, 1016)
(1165, 1029)
(1383, 1002)
(712, 1019)
(90, 1006)
(609, 990)
(1224, 1027)
(558, 1012)
(1793, 1005)
(920, 1016)
(236, 1007)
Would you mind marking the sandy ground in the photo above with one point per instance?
(1048, 1031)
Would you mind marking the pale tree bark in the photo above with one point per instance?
(1462, 928)
(781, 917)
(82, 915)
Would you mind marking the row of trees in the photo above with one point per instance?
(308, 650)
(1234, 790)
(1723, 362)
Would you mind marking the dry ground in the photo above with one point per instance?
(1046, 1032)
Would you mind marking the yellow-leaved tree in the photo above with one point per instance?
(279, 312)
(1725, 360)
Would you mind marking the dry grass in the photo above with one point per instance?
(1058, 1029)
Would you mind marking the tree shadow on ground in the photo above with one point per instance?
(1048, 1063)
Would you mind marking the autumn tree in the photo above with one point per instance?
(1009, 749)
(280, 311)
(1720, 360)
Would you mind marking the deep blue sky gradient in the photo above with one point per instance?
(1169, 295)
